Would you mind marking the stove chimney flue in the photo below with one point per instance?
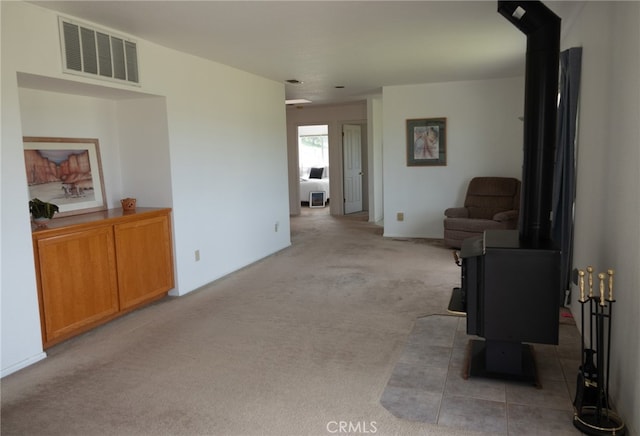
(542, 28)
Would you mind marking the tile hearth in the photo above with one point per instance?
(427, 384)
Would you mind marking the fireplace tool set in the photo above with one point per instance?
(592, 412)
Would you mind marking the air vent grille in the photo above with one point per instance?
(105, 66)
(96, 53)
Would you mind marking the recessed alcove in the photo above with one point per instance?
(131, 127)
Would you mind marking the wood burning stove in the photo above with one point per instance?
(511, 298)
(511, 285)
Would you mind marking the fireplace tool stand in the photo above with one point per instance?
(592, 412)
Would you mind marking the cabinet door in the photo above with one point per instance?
(78, 280)
(145, 262)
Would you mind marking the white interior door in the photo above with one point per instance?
(352, 158)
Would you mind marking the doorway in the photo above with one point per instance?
(313, 163)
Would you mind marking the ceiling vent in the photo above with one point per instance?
(95, 53)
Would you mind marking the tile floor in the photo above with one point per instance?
(427, 385)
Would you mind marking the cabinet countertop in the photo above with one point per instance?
(109, 216)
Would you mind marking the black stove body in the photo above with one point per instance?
(511, 299)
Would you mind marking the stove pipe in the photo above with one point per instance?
(542, 28)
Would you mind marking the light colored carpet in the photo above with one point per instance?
(294, 344)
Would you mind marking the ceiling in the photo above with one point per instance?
(358, 45)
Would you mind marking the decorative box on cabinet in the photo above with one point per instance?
(92, 268)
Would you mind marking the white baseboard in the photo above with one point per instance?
(23, 364)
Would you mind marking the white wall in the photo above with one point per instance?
(607, 218)
(143, 142)
(375, 174)
(483, 138)
(228, 168)
(187, 138)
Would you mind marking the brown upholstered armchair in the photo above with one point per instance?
(491, 203)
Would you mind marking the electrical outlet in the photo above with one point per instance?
(400, 216)
(197, 255)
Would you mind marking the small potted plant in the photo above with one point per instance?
(41, 211)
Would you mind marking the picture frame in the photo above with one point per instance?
(317, 198)
(427, 142)
(66, 172)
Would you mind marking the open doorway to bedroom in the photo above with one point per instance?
(313, 165)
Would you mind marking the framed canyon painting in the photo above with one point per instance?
(66, 172)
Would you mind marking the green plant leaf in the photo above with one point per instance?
(42, 209)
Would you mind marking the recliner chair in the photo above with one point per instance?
(490, 203)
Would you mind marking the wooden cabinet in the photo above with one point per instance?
(144, 258)
(78, 279)
(92, 268)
